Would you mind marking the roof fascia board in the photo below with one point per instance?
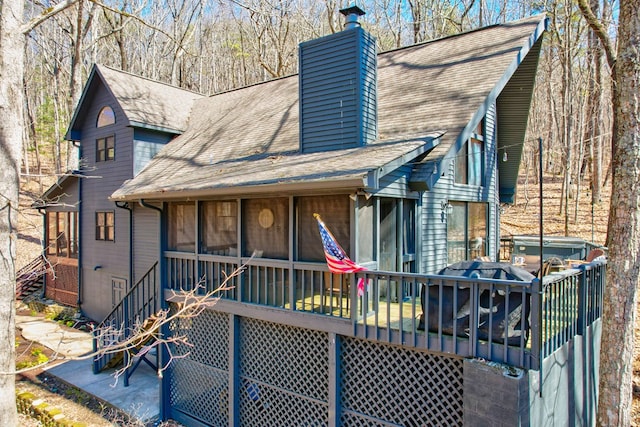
(278, 188)
(373, 176)
(94, 71)
(408, 157)
(155, 128)
(58, 185)
(495, 92)
(501, 83)
(71, 135)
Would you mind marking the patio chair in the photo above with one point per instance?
(336, 286)
(593, 254)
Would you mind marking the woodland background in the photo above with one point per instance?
(210, 46)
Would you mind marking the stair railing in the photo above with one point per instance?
(30, 274)
(135, 307)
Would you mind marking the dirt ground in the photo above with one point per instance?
(589, 223)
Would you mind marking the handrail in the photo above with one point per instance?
(393, 307)
(137, 305)
(30, 273)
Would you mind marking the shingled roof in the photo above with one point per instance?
(146, 103)
(247, 140)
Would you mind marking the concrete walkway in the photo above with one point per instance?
(139, 400)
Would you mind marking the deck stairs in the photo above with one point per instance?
(138, 307)
(30, 278)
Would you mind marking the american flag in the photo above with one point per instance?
(337, 259)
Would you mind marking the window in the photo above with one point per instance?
(397, 235)
(334, 211)
(105, 226)
(388, 235)
(105, 149)
(408, 235)
(182, 227)
(62, 234)
(469, 161)
(265, 227)
(106, 117)
(466, 231)
(365, 229)
(219, 228)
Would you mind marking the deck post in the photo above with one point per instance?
(583, 285)
(234, 377)
(334, 379)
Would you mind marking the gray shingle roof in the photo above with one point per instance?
(148, 103)
(248, 138)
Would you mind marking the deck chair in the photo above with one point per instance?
(593, 254)
(337, 286)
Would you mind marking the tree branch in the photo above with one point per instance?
(600, 31)
(46, 14)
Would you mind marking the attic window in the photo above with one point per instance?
(106, 117)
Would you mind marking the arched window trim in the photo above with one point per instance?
(106, 117)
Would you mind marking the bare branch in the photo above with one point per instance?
(46, 14)
(600, 32)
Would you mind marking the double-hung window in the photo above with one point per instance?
(105, 229)
(105, 149)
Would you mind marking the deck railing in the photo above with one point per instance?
(511, 322)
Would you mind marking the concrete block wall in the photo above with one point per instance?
(495, 395)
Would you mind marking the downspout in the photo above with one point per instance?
(162, 352)
(79, 299)
(125, 205)
(44, 248)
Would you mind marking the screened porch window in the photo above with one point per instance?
(265, 227)
(334, 211)
(62, 234)
(219, 227)
(182, 227)
(466, 231)
(365, 229)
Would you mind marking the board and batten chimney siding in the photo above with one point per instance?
(338, 101)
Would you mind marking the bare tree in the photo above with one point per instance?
(623, 276)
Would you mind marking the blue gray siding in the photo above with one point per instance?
(103, 260)
(433, 222)
(396, 184)
(64, 198)
(146, 240)
(338, 91)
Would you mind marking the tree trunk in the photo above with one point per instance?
(618, 319)
(12, 43)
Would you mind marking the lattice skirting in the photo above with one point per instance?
(283, 378)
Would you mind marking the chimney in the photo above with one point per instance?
(337, 79)
(351, 16)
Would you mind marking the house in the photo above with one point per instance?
(406, 155)
(120, 123)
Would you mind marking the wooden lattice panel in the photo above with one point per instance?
(389, 385)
